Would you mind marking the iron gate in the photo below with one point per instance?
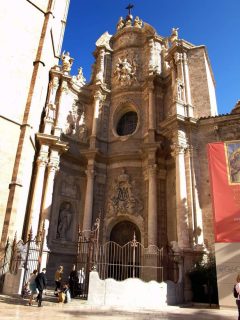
(132, 260)
(22, 254)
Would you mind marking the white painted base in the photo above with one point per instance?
(13, 282)
(131, 293)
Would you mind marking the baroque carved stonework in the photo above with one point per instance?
(123, 198)
(125, 71)
(75, 125)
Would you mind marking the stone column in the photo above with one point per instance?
(152, 205)
(53, 167)
(100, 66)
(151, 108)
(181, 196)
(88, 207)
(196, 210)
(60, 112)
(38, 189)
(97, 99)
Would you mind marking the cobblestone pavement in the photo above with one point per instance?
(14, 307)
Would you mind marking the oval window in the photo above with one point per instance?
(127, 123)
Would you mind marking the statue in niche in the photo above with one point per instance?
(82, 129)
(67, 61)
(125, 71)
(124, 198)
(70, 124)
(179, 90)
(50, 112)
(64, 220)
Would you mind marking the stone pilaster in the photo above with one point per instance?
(181, 195)
(60, 113)
(152, 204)
(41, 163)
(187, 85)
(88, 207)
(98, 99)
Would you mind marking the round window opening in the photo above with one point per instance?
(127, 123)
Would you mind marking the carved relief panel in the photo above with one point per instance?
(124, 197)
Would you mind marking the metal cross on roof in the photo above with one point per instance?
(129, 7)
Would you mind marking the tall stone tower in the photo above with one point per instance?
(31, 48)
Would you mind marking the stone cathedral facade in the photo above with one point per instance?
(129, 147)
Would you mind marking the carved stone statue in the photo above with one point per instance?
(138, 22)
(79, 79)
(67, 61)
(120, 23)
(64, 220)
(179, 89)
(82, 130)
(174, 35)
(50, 112)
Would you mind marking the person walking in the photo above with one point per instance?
(73, 281)
(237, 287)
(32, 286)
(58, 279)
(41, 284)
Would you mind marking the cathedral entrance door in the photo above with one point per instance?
(123, 232)
(124, 260)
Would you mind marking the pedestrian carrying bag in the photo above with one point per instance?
(235, 293)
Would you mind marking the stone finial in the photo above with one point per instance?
(67, 62)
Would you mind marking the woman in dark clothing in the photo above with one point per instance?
(41, 283)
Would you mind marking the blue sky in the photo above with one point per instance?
(213, 23)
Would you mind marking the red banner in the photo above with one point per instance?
(224, 169)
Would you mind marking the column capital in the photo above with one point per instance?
(90, 173)
(178, 57)
(152, 170)
(53, 164)
(42, 160)
(98, 96)
(178, 148)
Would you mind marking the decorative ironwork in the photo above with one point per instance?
(132, 260)
(22, 254)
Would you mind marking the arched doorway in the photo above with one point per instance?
(124, 256)
(123, 232)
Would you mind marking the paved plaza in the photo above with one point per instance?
(14, 307)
